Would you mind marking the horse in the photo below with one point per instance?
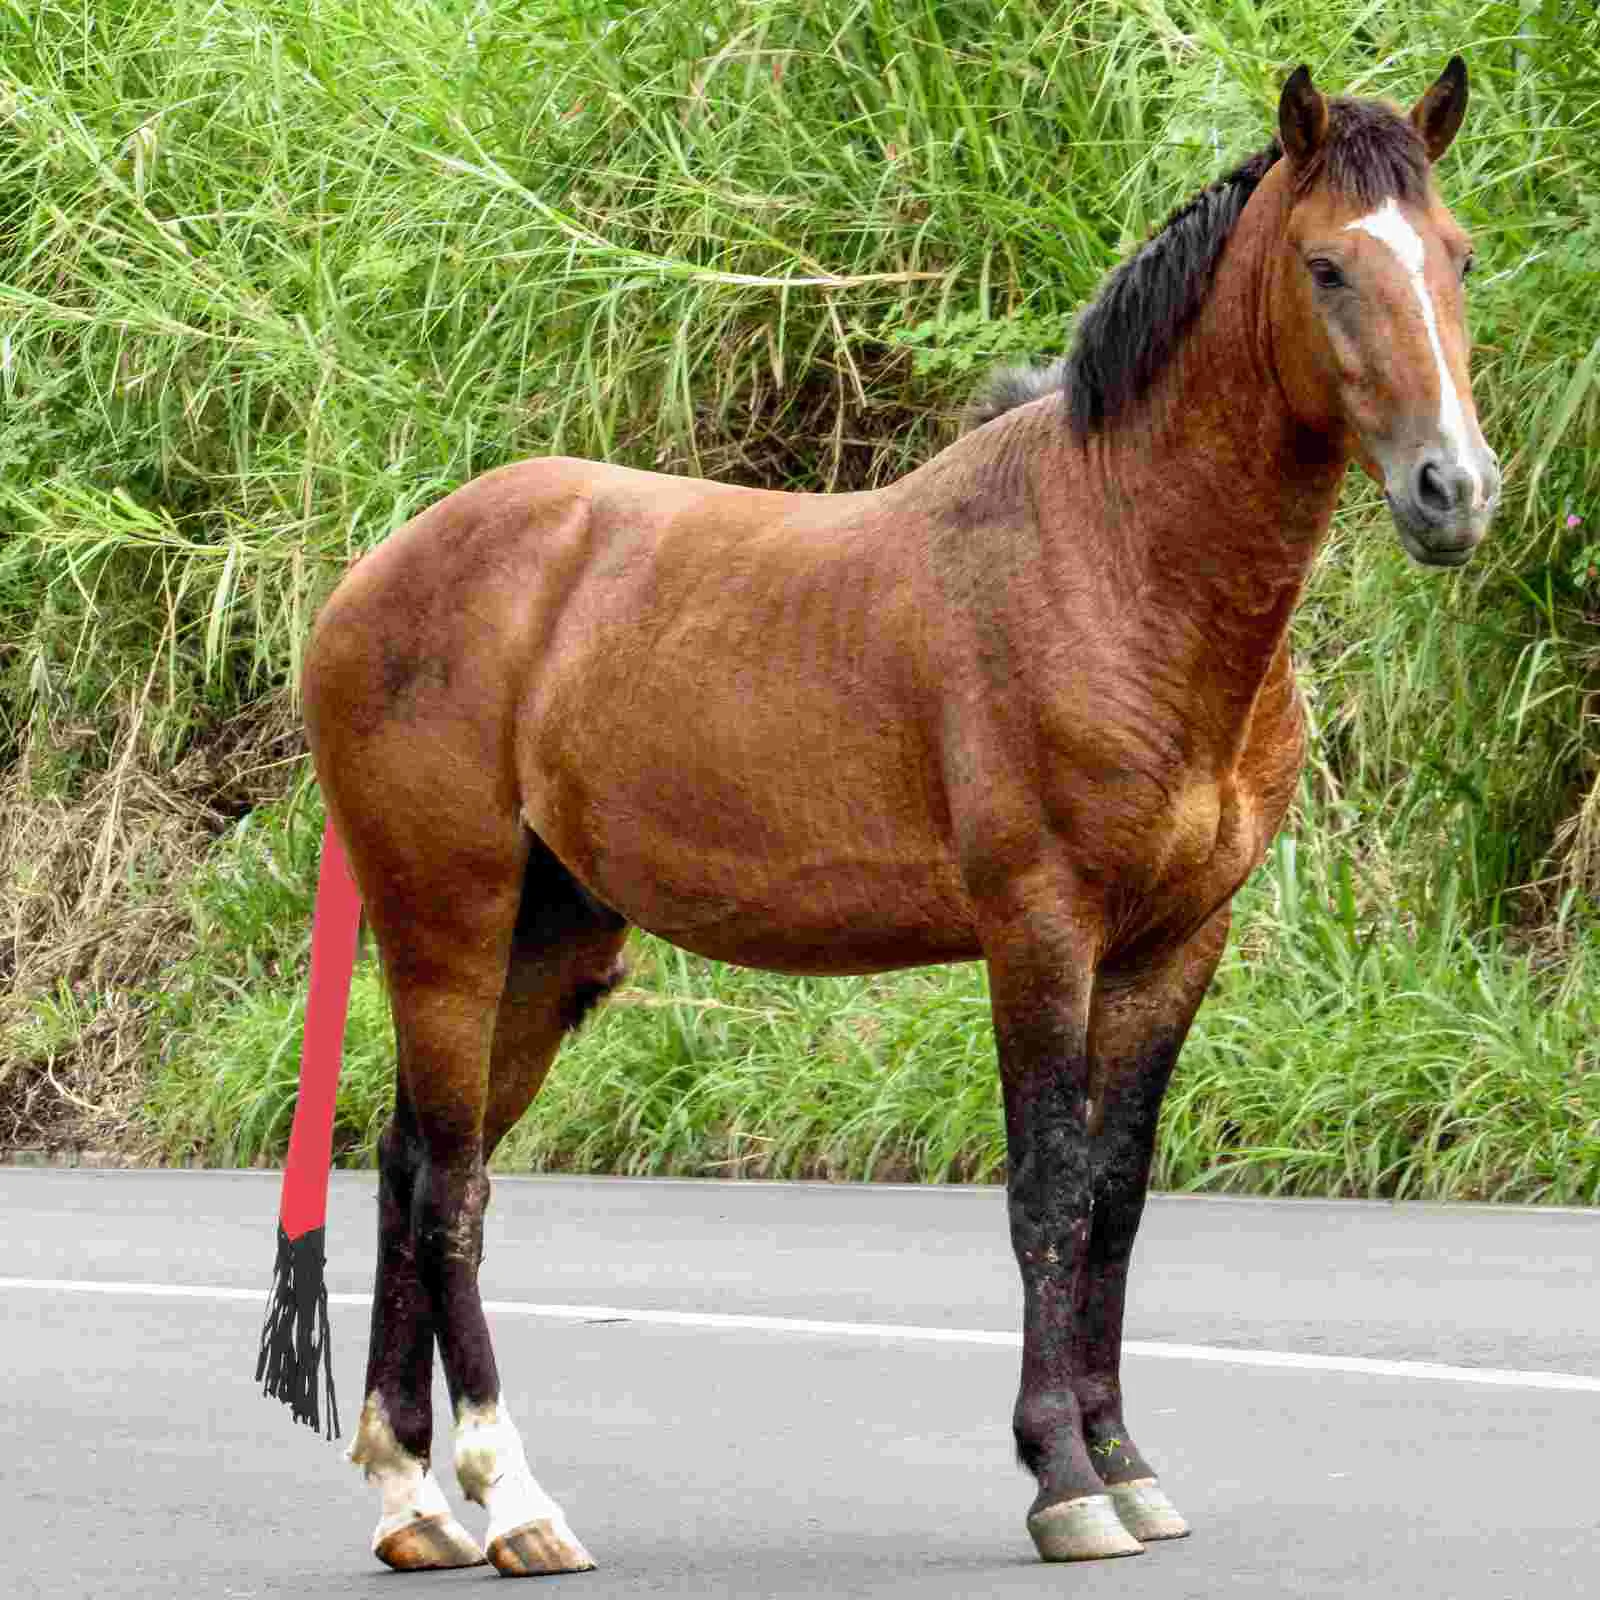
(1032, 704)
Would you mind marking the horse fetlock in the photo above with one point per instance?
(376, 1447)
(492, 1469)
(487, 1448)
(528, 1532)
(416, 1531)
(1046, 1425)
(405, 1481)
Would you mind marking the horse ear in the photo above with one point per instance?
(1302, 118)
(1437, 115)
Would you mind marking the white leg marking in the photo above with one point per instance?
(409, 1489)
(494, 1472)
(1388, 227)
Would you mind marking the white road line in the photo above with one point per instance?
(887, 1332)
(352, 1178)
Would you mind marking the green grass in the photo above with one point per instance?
(1334, 1057)
(274, 276)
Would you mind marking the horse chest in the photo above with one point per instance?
(1209, 830)
(1211, 837)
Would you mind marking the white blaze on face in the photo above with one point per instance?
(1389, 227)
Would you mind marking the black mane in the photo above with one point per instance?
(1129, 331)
(1126, 336)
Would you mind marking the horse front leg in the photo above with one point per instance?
(1137, 1028)
(1040, 972)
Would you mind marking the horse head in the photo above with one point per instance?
(1369, 309)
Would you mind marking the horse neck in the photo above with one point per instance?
(1216, 497)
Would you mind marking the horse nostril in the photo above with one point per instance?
(1434, 489)
(1441, 489)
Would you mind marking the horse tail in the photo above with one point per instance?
(296, 1350)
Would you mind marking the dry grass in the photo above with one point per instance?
(95, 915)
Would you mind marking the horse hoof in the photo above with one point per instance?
(428, 1544)
(1087, 1529)
(1146, 1512)
(538, 1548)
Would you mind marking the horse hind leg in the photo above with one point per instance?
(565, 956)
(415, 1531)
(426, 1167)
(444, 953)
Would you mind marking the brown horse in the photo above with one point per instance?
(1032, 703)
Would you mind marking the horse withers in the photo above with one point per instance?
(1032, 704)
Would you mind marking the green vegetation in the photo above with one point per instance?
(274, 276)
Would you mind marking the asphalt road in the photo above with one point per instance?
(1428, 1427)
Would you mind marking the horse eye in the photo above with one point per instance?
(1325, 275)
(1467, 267)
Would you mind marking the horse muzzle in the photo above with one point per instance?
(1442, 508)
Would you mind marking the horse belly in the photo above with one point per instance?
(818, 926)
(809, 902)
(785, 837)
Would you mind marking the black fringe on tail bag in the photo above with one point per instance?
(294, 1338)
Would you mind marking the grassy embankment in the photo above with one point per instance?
(273, 277)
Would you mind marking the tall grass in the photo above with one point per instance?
(1335, 1057)
(274, 276)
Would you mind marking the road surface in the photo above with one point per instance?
(754, 1390)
